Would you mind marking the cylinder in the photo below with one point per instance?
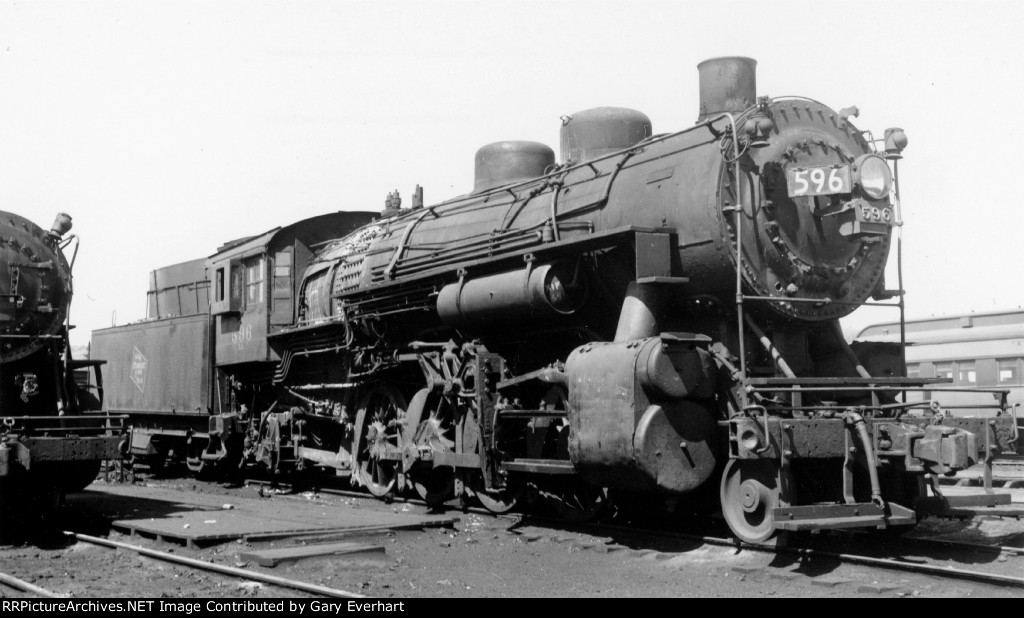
(507, 298)
(596, 132)
(727, 85)
(628, 427)
(503, 163)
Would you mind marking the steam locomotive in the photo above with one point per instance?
(48, 444)
(656, 314)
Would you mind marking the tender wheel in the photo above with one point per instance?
(436, 432)
(575, 500)
(750, 491)
(380, 417)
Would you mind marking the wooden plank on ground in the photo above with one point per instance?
(194, 517)
(274, 557)
(213, 526)
(335, 533)
(207, 526)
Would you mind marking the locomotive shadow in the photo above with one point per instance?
(910, 549)
(682, 537)
(87, 512)
(805, 565)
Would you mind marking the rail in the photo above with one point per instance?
(24, 586)
(805, 553)
(218, 568)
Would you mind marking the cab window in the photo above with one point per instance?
(281, 288)
(255, 286)
(1008, 372)
(218, 293)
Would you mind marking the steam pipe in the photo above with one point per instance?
(770, 347)
(857, 421)
(838, 331)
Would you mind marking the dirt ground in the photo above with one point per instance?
(480, 556)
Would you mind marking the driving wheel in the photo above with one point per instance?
(380, 416)
(437, 432)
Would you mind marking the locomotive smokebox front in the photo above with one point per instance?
(35, 285)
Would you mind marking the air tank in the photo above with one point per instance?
(599, 131)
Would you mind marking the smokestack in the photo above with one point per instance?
(727, 85)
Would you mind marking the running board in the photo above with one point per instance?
(835, 516)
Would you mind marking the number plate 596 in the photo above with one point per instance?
(823, 180)
(873, 214)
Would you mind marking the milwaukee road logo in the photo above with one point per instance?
(138, 373)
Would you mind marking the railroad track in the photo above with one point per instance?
(1005, 550)
(820, 549)
(322, 591)
(216, 568)
(807, 553)
(897, 564)
(23, 586)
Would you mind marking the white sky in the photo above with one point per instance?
(167, 128)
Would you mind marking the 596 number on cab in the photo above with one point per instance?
(823, 180)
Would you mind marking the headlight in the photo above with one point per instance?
(871, 174)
